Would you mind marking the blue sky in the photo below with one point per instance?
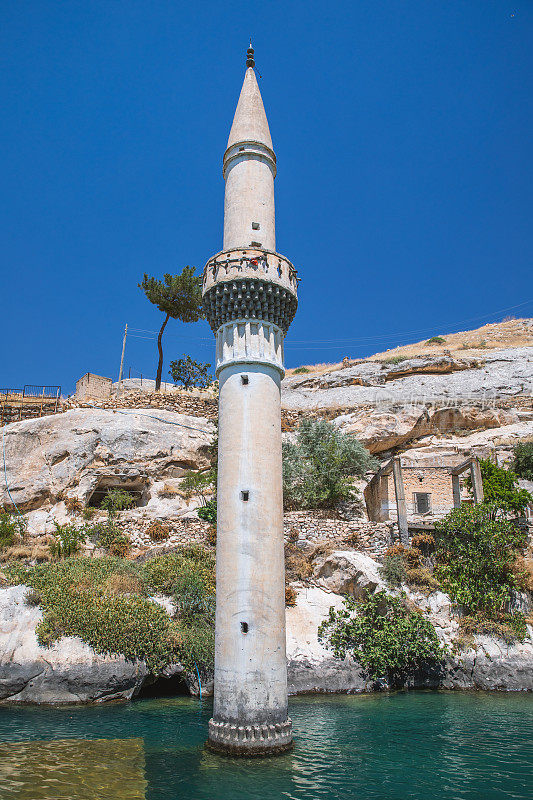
(402, 130)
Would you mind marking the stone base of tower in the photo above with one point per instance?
(230, 739)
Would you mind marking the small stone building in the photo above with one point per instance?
(93, 387)
(417, 492)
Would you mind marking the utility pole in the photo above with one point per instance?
(122, 360)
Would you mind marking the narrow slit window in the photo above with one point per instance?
(255, 226)
(245, 495)
(244, 380)
(244, 627)
(422, 502)
(256, 244)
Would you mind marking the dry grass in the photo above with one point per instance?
(489, 337)
(324, 549)
(421, 578)
(510, 333)
(314, 369)
(124, 584)
(523, 570)
(290, 596)
(157, 531)
(170, 490)
(298, 567)
(17, 552)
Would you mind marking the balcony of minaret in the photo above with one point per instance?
(247, 284)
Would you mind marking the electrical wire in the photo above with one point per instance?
(297, 344)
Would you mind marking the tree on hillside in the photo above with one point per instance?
(522, 464)
(190, 373)
(319, 467)
(500, 487)
(176, 296)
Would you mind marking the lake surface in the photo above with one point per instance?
(405, 746)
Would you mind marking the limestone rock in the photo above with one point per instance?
(483, 444)
(381, 430)
(78, 449)
(505, 373)
(349, 573)
(68, 672)
(492, 666)
(311, 667)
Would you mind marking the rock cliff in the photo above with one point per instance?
(473, 402)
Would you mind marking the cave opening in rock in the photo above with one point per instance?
(175, 686)
(137, 489)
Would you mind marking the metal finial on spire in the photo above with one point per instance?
(250, 62)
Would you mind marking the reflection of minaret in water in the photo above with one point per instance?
(249, 294)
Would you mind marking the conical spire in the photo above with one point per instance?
(250, 122)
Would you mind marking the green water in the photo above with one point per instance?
(413, 746)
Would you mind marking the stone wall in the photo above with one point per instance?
(182, 532)
(180, 402)
(372, 538)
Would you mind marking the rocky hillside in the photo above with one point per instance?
(428, 399)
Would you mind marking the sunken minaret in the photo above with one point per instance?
(250, 298)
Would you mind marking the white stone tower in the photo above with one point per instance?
(249, 294)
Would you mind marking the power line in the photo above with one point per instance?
(296, 344)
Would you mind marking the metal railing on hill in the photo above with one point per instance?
(33, 400)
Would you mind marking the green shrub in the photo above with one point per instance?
(476, 551)
(394, 360)
(117, 500)
(193, 593)
(109, 537)
(163, 572)
(209, 512)
(12, 527)
(389, 640)
(500, 488)
(196, 647)
(392, 569)
(318, 469)
(300, 371)
(522, 464)
(436, 340)
(104, 601)
(67, 540)
(509, 627)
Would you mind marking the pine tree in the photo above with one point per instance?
(176, 296)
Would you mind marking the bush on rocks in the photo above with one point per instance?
(477, 552)
(389, 640)
(157, 531)
(12, 527)
(105, 601)
(318, 469)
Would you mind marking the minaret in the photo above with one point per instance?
(249, 294)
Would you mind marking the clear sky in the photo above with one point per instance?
(402, 130)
